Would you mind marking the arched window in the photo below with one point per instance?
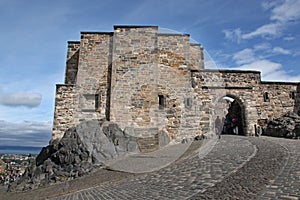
(161, 101)
(266, 97)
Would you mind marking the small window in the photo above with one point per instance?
(266, 97)
(97, 101)
(90, 102)
(161, 101)
(188, 102)
(292, 94)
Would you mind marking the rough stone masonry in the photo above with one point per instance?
(153, 83)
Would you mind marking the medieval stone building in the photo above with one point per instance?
(150, 83)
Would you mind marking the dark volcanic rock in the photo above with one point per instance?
(81, 149)
(287, 126)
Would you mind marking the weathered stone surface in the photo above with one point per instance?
(287, 126)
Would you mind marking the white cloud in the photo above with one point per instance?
(272, 29)
(282, 76)
(282, 14)
(27, 133)
(29, 100)
(281, 51)
(268, 4)
(265, 66)
(289, 38)
(243, 57)
(248, 59)
(233, 35)
(262, 46)
(288, 11)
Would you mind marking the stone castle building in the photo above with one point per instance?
(151, 83)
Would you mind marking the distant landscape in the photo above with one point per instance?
(19, 150)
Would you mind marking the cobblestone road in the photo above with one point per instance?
(236, 168)
(287, 184)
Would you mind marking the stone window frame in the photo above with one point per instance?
(266, 97)
(292, 94)
(91, 97)
(162, 101)
(188, 102)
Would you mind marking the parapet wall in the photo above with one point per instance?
(276, 98)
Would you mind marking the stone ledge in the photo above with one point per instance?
(73, 42)
(226, 71)
(227, 87)
(173, 34)
(95, 32)
(67, 85)
(195, 44)
(134, 26)
(280, 83)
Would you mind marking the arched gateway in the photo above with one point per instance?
(249, 92)
(231, 107)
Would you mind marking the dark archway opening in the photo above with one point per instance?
(234, 116)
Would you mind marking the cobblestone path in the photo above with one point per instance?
(236, 168)
(287, 184)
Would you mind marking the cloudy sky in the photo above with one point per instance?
(258, 34)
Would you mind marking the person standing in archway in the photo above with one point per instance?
(218, 126)
(235, 126)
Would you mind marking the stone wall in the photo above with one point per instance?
(196, 57)
(92, 76)
(72, 62)
(280, 99)
(134, 58)
(65, 101)
(297, 101)
(212, 85)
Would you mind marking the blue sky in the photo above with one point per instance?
(258, 34)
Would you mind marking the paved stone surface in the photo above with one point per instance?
(179, 180)
(246, 182)
(232, 168)
(287, 184)
(148, 162)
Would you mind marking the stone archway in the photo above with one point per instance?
(233, 108)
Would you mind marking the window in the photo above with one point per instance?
(97, 101)
(266, 97)
(292, 94)
(188, 102)
(90, 102)
(161, 101)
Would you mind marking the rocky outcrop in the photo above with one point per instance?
(287, 126)
(80, 151)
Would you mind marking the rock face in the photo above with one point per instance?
(81, 149)
(287, 126)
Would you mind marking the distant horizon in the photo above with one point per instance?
(9, 149)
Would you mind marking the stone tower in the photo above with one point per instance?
(129, 76)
